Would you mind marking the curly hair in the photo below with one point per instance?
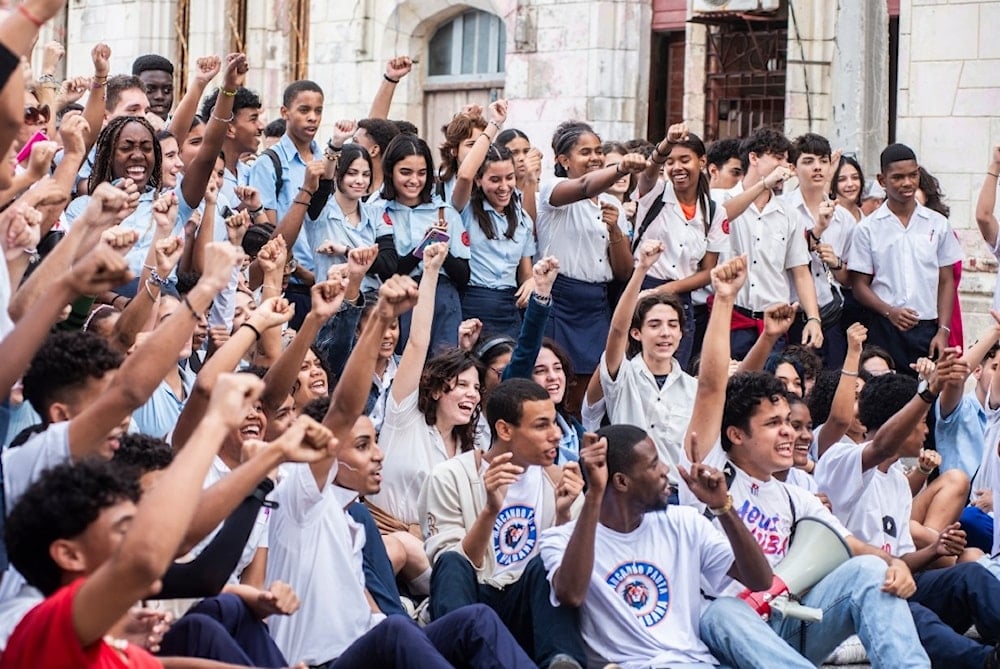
(808, 360)
(317, 408)
(142, 453)
(622, 440)
(744, 393)
(105, 152)
(883, 397)
(761, 141)
(439, 376)
(62, 504)
(495, 154)
(820, 398)
(244, 99)
(460, 128)
(64, 363)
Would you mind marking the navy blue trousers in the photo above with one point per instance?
(379, 577)
(224, 629)
(524, 607)
(948, 601)
(471, 637)
(904, 346)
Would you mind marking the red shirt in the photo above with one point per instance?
(46, 638)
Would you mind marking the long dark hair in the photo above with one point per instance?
(703, 195)
(848, 160)
(933, 197)
(510, 134)
(348, 155)
(104, 157)
(400, 147)
(495, 154)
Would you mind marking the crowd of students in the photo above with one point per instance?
(271, 400)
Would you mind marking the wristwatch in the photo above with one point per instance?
(924, 392)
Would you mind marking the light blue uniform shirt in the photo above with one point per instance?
(410, 224)
(293, 174)
(333, 226)
(141, 220)
(158, 416)
(959, 437)
(493, 262)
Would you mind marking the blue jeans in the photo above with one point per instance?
(947, 602)
(852, 602)
(542, 629)
(738, 637)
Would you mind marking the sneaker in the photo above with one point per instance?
(564, 661)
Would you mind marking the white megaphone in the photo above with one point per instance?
(817, 549)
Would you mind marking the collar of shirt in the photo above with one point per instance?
(344, 496)
(286, 147)
(884, 212)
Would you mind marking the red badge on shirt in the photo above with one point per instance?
(465, 238)
(725, 225)
(387, 218)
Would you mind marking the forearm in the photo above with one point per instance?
(291, 223)
(19, 347)
(477, 539)
(180, 122)
(699, 279)
(945, 297)
(572, 579)
(383, 99)
(750, 568)
(920, 559)
(713, 377)
(863, 293)
(986, 204)
(588, 186)
(59, 260)
(136, 316)
(756, 357)
(281, 375)
(529, 202)
(806, 290)
(351, 393)
(529, 340)
(737, 205)
(619, 255)
(891, 436)
(916, 480)
(842, 408)
(621, 321)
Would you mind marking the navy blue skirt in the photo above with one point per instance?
(495, 307)
(580, 320)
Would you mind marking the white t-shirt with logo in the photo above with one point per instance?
(766, 508)
(514, 537)
(874, 505)
(644, 600)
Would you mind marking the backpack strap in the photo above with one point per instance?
(276, 161)
(654, 211)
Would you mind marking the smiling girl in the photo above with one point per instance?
(500, 232)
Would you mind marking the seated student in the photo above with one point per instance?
(650, 388)
(750, 415)
(800, 473)
(483, 515)
(78, 536)
(633, 568)
(869, 493)
(901, 261)
(339, 625)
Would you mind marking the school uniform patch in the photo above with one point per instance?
(644, 588)
(514, 534)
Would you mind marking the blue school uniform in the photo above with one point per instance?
(493, 269)
(332, 225)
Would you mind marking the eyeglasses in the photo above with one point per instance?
(36, 115)
(498, 371)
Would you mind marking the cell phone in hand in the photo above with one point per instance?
(433, 236)
(25, 151)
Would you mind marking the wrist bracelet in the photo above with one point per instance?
(995, 176)
(229, 94)
(256, 332)
(149, 290)
(495, 125)
(304, 204)
(156, 278)
(926, 472)
(47, 78)
(848, 373)
(945, 328)
(724, 509)
(814, 318)
(542, 299)
(213, 117)
(254, 212)
(390, 79)
(306, 190)
(190, 307)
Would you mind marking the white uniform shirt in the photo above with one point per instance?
(774, 242)
(514, 537)
(766, 509)
(838, 235)
(802, 479)
(316, 549)
(904, 261)
(634, 398)
(576, 235)
(411, 448)
(996, 286)
(685, 242)
(643, 603)
(874, 505)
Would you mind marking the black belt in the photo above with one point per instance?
(756, 315)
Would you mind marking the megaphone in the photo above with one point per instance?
(816, 550)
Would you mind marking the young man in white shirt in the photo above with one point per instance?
(871, 495)
(774, 242)
(901, 266)
(339, 625)
(751, 416)
(828, 235)
(483, 515)
(633, 565)
(649, 388)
